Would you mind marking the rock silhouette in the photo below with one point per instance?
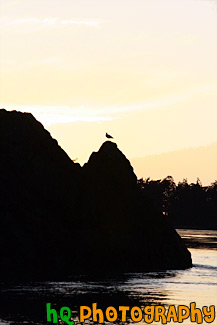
(57, 219)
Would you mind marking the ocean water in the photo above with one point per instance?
(26, 303)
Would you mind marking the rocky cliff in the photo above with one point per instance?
(57, 218)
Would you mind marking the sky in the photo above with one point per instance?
(143, 70)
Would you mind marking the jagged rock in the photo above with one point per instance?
(38, 192)
(132, 232)
(57, 218)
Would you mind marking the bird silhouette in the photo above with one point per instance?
(109, 136)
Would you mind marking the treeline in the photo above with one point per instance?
(185, 205)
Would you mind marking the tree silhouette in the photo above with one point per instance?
(184, 205)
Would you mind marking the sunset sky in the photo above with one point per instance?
(143, 70)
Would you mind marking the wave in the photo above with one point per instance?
(207, 267)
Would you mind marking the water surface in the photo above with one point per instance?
(25, 303)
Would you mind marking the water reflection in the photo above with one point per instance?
(25, 303)
(199, 238)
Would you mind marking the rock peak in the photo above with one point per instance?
(111, 150)
(108, 145)
(110, 160)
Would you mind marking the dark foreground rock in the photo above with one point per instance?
(57, 219)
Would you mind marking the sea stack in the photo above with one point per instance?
(129, 228)
(58, 218)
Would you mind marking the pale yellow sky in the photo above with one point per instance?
(144, 70)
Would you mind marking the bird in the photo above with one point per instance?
(109, 136)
